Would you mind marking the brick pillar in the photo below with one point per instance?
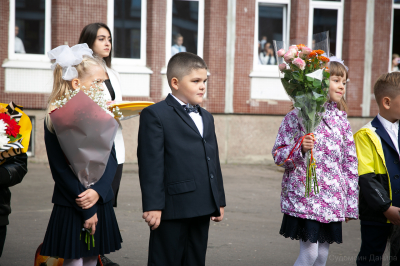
(215, 26)
(245, 16)
(156, 32)
(354, 52)
(299, 21)
(4, 20)
(382, 28)
(68, 17)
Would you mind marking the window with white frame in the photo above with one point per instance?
(127, 22)
(327, 15)
(394, 64)
(29, 29)
(185, 27)
(271, 24)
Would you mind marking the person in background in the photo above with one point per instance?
(395, 63)
(267, 55)
(19, 45)
(177, 47)
(14, 168)
(98, 38)
(263, 41)
(11, 173)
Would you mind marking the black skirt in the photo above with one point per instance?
(311, 230)
(64, 237)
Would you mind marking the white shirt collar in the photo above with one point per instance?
(179, 101)
(389, 125)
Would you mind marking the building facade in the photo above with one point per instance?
(235, 38)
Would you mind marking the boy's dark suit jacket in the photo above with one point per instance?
(179, 170)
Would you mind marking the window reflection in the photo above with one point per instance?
(30, 26)
(270, 27)
(326, 20)
(396, 41)
(127, 27)
(185, 22)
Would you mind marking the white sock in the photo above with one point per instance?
(323, 252)
(69, 262)
(308, 254)
(88, 261)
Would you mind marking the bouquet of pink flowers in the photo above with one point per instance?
(306, 81)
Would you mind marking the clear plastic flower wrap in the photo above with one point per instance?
(86, 130)
(305, 77)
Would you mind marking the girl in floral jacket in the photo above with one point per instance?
(317, 220)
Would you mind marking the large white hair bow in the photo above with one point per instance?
(68, 57)
(336, 59)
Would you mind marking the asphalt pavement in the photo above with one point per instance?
(248, 235)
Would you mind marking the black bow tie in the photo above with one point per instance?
(191, 108)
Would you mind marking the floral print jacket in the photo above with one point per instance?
(337, 175)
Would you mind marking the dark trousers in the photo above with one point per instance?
(181, 242)
(373, 244)
(116, 182)
(3, 232)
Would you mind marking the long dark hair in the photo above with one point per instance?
(89, 35)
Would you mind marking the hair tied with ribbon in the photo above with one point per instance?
(336, 59)
(68, 57)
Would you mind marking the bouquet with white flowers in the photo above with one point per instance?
(86, 129)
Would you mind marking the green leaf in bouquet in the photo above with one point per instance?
(327, 74)
(12, 139)
(326, 82)
(310, 79)
(297, 76)
(316, 83)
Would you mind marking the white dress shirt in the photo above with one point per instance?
(392, 129)
(177, 49)
(196, 117)
(19, 46)
(119, 139)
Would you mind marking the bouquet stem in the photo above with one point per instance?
(311, 175)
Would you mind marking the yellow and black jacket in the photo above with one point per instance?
(379, 171)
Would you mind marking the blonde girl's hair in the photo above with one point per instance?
(62, 88)
(338, 69)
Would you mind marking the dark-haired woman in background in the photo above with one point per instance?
(98, 37)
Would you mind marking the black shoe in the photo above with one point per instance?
(107, 262)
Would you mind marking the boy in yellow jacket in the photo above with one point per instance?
(377, 145)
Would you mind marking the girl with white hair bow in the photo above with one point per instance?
(74, 204)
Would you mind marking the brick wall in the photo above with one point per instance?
(382, 29)
(215, 25)
(68, 17)
(354, 51)
(245, 16)
(156, 32)
(299, 21)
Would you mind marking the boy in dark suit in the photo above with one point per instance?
(179, 169)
